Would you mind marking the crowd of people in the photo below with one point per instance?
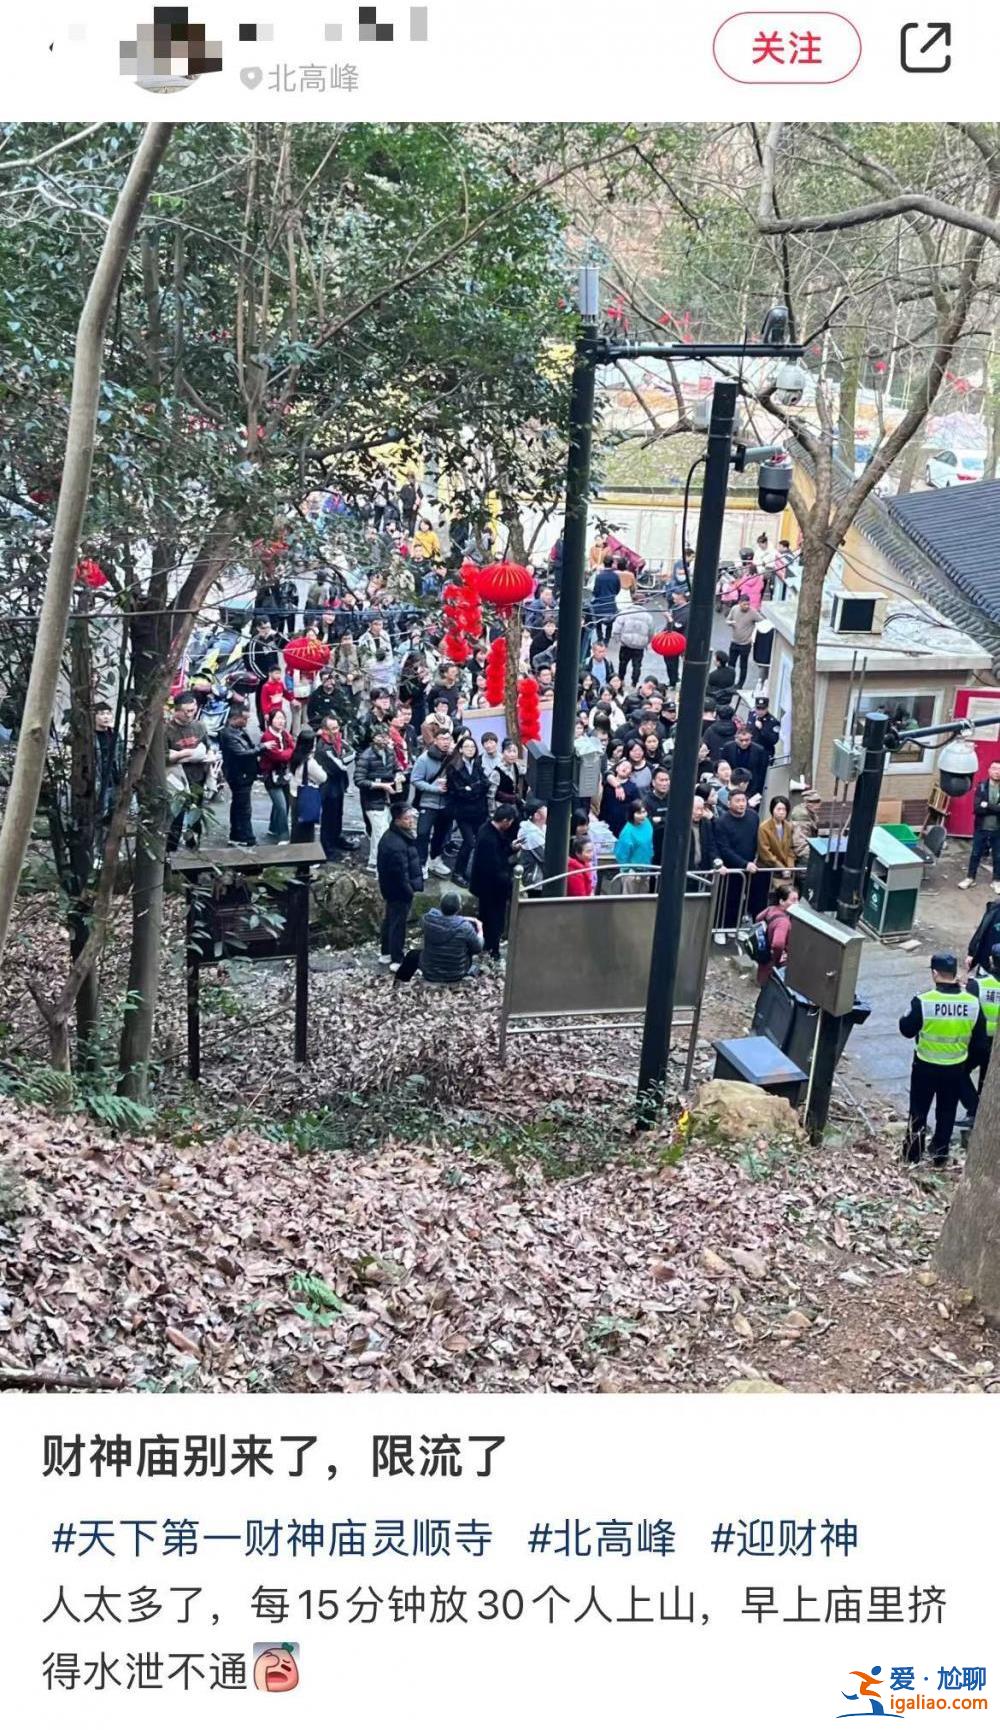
(389, 712)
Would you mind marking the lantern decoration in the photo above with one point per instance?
(89, 573)
(306, 654)
(496, 673)
(455, 647)
(505, 586)
(529, 711)
(463, 615)
(670, 644)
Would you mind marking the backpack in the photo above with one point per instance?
(755, 941)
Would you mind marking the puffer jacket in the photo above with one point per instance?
(372, 768)
(450, 942)
(633, 629)
(398, 862)
(429, 768)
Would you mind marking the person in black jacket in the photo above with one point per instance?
(333, 757)
(240, 760)
(722, 678)
(656, 800)
(986, 833)
(742, 753)
(604, 609)
(704, 853)
(492, 876)
(766, 728)
(263, 657)
(983, 939)
(400, 877)
(468, 803)
(450, 945)
(736, 845)
(677, 618)
(719, 733)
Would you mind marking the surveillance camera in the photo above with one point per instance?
(774, 483)
(958, 766)
(775, 329)
(789, 383)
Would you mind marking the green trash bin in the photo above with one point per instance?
(902, 832)
(895, 873)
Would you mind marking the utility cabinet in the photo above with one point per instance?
(823, 960)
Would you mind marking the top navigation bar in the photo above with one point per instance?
(509, 60)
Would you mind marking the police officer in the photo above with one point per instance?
(987, 990)
(948, 1025)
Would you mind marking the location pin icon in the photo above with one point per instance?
(251, 76)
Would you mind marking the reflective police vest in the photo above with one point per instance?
(949, 1020)
(989, 997)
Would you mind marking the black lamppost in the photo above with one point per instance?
(592, 351)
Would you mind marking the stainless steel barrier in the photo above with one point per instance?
(581, 964)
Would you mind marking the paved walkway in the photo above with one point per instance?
(878, 1056)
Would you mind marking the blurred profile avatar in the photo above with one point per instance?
(275, 1670)
(170, 53)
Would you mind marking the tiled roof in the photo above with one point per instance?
(959, 528)
(932, 575)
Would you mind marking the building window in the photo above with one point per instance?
(903, 711)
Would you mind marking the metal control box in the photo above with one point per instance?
(823, 961)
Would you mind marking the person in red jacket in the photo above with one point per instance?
(580, 880)
(273, 696)
(778, 921)
(276, 748)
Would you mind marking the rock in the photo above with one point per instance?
(713, 1263)
(750, 1386)
(750, 1261)
(795, 1323)
(736, 1109)
(927, 1279)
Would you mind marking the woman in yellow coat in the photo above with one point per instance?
(775, 839)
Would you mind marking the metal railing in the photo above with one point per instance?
(715, 882)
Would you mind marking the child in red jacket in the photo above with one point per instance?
(273, 696)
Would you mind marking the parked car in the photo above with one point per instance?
(950, 468)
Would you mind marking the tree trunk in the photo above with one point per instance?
(139, 1021)
(816, 558)
(201, 578)
(511, 676)
(83, 821)
(29, 763)
(850, 379)
(151, 645)
(909, 465)
(969, 1251)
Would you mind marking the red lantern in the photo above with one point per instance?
(529, 711)
(89, 573)
(306, 654)
(670, 644)
(455, 647)
(496, 673)
(505, 585)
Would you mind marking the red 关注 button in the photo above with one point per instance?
(786, 47)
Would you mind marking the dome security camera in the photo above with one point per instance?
(958, 766)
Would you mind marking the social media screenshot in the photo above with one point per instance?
(499, 862)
